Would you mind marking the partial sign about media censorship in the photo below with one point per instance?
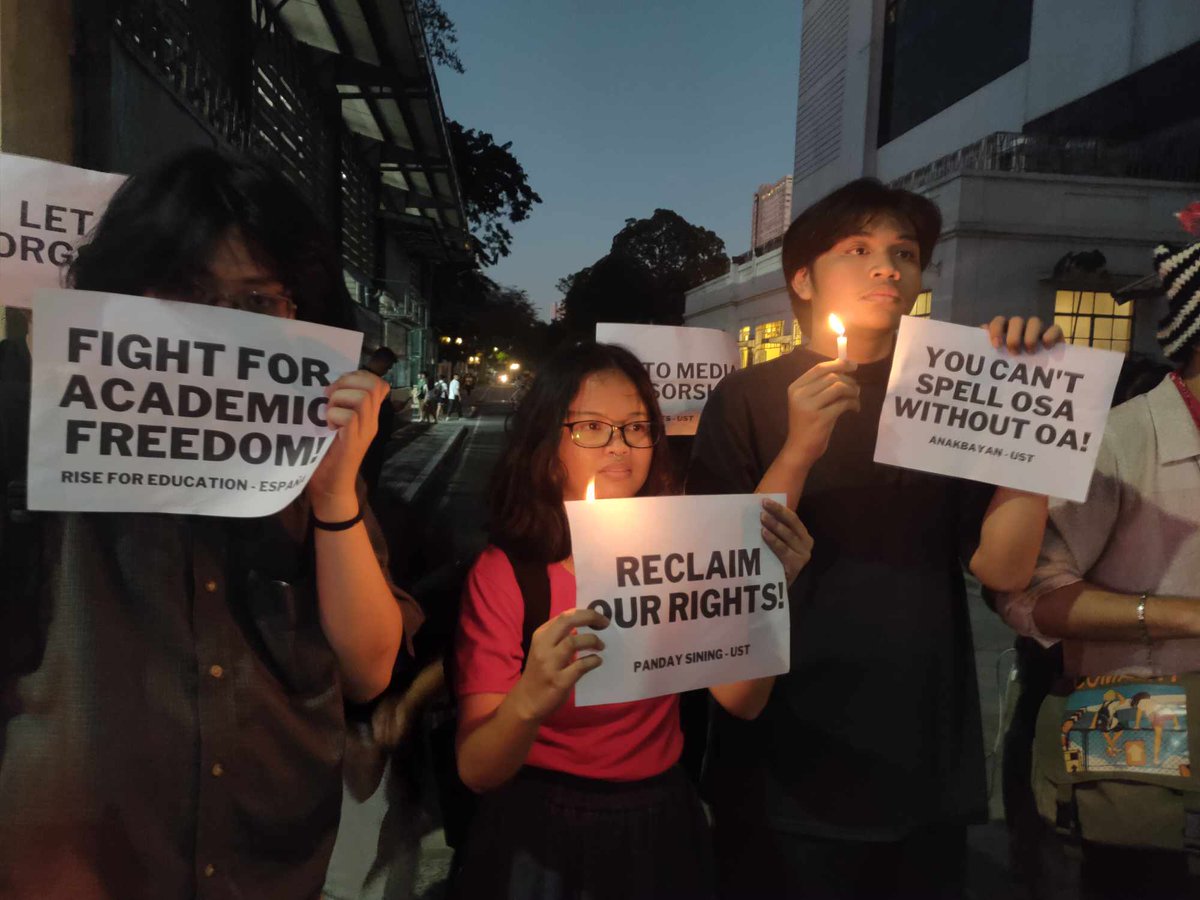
(957, 406)
(684, 364)
(153, 406)
(693, 594)
(46, 210)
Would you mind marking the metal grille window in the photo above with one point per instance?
(360, 199)
(1094, 319)
(188, 57)
(286, 121)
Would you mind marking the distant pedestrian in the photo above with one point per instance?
(419, 390)
(455, 394)
(442, 391)
(429, 404)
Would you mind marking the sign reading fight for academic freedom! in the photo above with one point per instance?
(957, 406)
(693, 594)
(46, 210)
(153, 406)
(684, 364)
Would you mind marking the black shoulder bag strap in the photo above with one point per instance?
(534, 583)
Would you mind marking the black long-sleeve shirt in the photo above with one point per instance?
(875, 730)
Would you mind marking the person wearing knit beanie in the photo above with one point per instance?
(1117, 584)
(1179, 272)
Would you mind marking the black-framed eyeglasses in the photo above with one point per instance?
(266, 303)
(592, 433)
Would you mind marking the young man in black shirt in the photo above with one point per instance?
(861, 774)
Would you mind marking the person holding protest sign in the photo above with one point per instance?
(577, 801)
(1118, 585)
(859, 777)
(178, 729)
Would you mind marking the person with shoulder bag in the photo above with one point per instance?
(1115, 768)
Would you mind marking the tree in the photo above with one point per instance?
(441, 37)
(673, 249)
(643, 277)
(616, 288)
(494, 187)
(485, 314)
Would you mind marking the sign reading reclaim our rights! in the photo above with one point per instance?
(46, 209)
(143, 405)
(684, 365)
(957, 406)
(693, 594)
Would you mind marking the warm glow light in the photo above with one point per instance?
(503, 378)
(458, 340)
(590, 494)
(836, 324)
(514, 366)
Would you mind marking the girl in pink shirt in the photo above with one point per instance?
(578, 802)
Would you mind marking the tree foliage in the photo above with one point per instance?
(441, 37)
(485, 314)
(672, 248)
(494, 186)
(643, 277)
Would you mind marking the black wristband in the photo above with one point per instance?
(338, 526)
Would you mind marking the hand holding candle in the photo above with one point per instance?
(836, 325)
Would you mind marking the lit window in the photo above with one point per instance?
(743, 334)
(768, 330)
(797, 334)
(923, 306)
(1094, 319)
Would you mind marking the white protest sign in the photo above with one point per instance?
(684, 364)
(46, 209)
(694, 595)
(153, 406)
(957, 406)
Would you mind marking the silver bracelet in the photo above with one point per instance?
(1146, 639)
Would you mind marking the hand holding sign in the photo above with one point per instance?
(787, 537)
(1017, 332)
(353, 410)
(553, 666)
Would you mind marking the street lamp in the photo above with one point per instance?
(458, 340)
(514, 366)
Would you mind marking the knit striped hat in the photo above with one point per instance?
(1179, 272)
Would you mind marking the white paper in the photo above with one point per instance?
(957, 406)
(660, 641)
(118, 426)
(46, 211)
(684, 364)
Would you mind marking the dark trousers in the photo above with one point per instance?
(756, 862)
(552, 836)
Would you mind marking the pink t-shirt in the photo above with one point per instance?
(615, 742)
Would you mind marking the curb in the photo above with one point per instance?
(416, 488)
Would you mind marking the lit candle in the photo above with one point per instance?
(836, 324)
(590, 493)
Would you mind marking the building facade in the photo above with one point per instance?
(772, 212)
(341, 96)
(1057, 141)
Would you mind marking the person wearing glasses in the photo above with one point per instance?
(577, 802)
(172, 686)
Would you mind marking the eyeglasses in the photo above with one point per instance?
(279, 305)
(593, 434)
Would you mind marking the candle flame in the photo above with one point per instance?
(590, 494)
(836, 324)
